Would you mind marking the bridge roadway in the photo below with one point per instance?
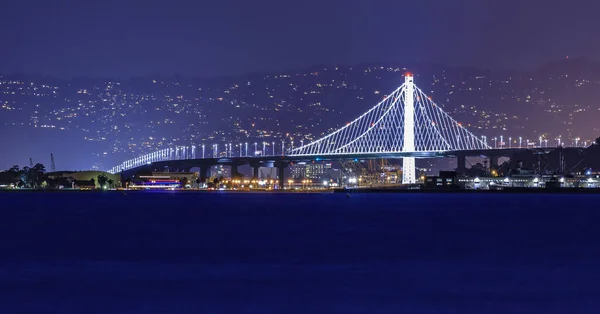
(282, 161)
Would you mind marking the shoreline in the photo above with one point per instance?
(463, 191)
(337, 191)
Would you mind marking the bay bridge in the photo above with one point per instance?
(406, 124)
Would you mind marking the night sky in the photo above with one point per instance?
(132, 38)
(215, 38)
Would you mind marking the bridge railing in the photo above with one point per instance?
(201, 152)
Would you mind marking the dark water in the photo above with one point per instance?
(172, 252)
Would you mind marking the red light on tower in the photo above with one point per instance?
(408, 74)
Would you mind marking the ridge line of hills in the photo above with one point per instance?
(126, 118)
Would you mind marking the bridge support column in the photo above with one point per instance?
(408, 163)
(255, 171)
(281, 174)
(408, 170)
(461, 165)
(204, 169)
(234, 172)
(494, 162)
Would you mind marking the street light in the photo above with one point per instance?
(501, 141)
(202, 151)
(264, 148)
(255, 149)
(540, 141)
(520, 141)
(510, 142)
(273, 143)
(495, 143)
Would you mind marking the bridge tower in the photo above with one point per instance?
(408, 163)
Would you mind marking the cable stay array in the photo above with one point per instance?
(381, 130)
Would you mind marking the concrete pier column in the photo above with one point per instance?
(234, 172)
(255, 171)
(461, 163)
(281, 176)
(204, 169)
(494, 162)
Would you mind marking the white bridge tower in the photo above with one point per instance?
(408, 163)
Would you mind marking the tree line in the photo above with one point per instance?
(36, 178)
(28, 177)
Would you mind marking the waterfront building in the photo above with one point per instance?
(165, 180)
(315, 171)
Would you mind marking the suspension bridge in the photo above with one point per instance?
(406, 124)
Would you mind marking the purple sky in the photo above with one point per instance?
(225, 37)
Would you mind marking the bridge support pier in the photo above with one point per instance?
(461, 165)
(255, 164)
(204, 169)
(281, 174)
(494, 162)
(408, 163)
(234, 172)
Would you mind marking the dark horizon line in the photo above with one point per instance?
(304, 68)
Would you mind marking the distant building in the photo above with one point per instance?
(165, 180)
(445, 180)
(220, 171)
(312, 170)
(528, 181)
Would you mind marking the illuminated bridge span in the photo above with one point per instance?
(406, 121)
(406, 124)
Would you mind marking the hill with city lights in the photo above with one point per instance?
(125, 118)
